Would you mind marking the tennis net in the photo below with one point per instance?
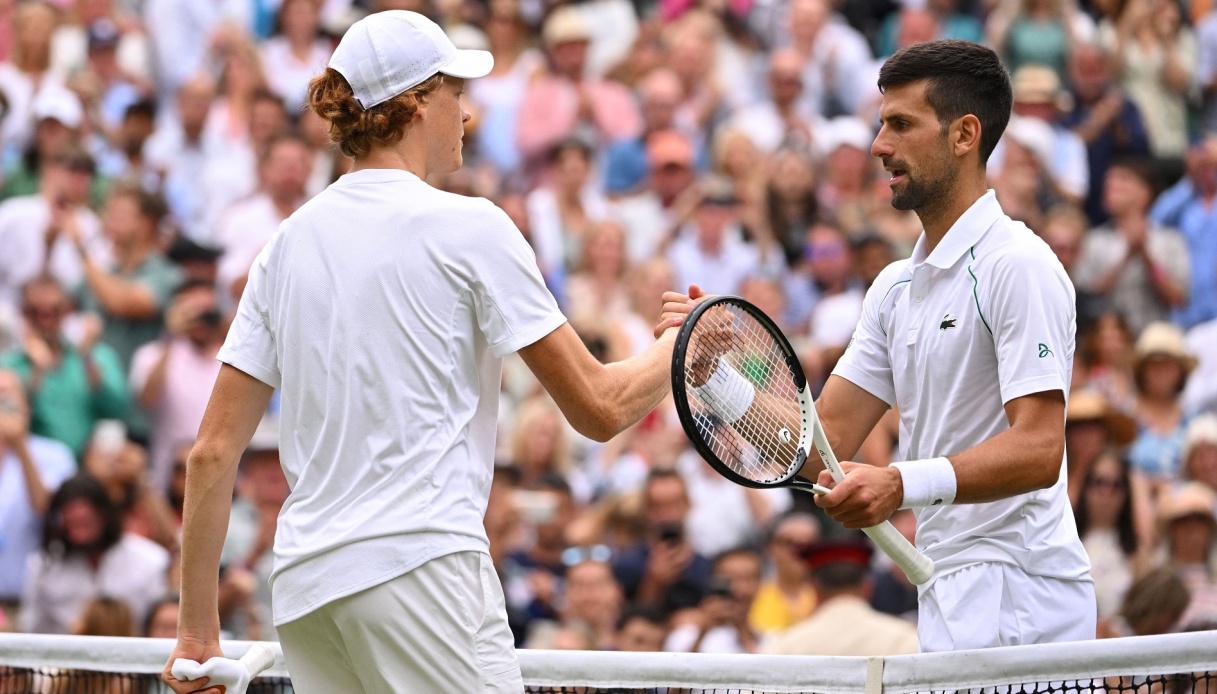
(1170, 664)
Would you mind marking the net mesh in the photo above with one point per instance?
(1174, 664)
(733, 363)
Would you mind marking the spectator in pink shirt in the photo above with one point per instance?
(562, 102)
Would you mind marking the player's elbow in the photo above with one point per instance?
(600, 423)
(1049, 458)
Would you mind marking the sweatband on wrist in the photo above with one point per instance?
(727, 392)
(927, 482)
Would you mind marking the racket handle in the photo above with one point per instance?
(257, 659)
(918, 567)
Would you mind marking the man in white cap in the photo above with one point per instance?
(381, 310)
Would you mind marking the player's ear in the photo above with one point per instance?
(964, 135)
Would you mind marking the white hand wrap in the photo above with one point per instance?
(727, 392)
(927, 482)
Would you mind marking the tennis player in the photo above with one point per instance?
(972, 340)
(382, 309)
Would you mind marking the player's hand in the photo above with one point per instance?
(866, 497)
(199, 652)
(675, 307)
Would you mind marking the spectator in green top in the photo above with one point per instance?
(69, 386)
(131, 295)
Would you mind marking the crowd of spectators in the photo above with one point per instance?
(150, 148)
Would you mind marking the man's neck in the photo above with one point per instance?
(130, 257)
(937, 219)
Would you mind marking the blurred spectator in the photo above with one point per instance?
(104, 616)
(94, 24)
(942, 17)
(1091, 426)
(498, 95)
(1142, 268)
(1161, 366)
(1025, 182)
(1155, 54)
(642, 630)
(791, 204)
(785, 595)
(563, 209)
(563, 102)
(662, 570)
(1105, 354)
(836, 59)
(247, 557)
(131, 294)
(180, 149)
(1063, 230)
(31, 469)
(34, 228)
(1106, 120)
(846, 191)
(123, 161)
(1200, 451)
(283, 170)
(1188, 206)
(722, 623)
(26, 72)
(591, 596)
(122, 468)
(58, 120)
(598, 283)
(838, 302)
(782, 120)
(541, 445)
(1189, 534)
(710, 250)
(1112, 501)
(1038, 94)
(161, 622)
(199, 263)
(649, 216)
(1206, 68)
(1033, 32)
(626, 163)
(70, 385)
(296, 52)
(172, 377)
(1153, 605)
(106, 85)
(533, 575)
(84, 554)
(843, 622)
(186, 33)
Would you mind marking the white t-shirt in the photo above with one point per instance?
(382, 309)
(950, 339)
(23, 248)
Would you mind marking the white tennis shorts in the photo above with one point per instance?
(439, 628)
(996, 604)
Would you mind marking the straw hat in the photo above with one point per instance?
(1188, 499)
(1202, 430)
(1092, 406)
(1161, 339)
(565, 25)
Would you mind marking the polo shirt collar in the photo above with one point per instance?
(963, 234)
(376, 176)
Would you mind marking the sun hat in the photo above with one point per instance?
(1162, 339)
(387, 53)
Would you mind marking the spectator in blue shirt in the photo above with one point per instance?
(1191, 207)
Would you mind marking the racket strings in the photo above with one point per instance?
(762, 445)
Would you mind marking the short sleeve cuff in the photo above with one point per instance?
(1037, 384)
(237, 360)
(865, 381)
(528, 336)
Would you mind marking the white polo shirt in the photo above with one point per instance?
(382, 309)
(950, 338)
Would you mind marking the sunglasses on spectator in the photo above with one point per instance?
(1110, 483)
(573, 556)
(44, 311)
(823, 251)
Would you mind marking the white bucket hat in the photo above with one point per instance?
(387, 53)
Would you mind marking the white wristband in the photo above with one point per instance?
(727, 392)
(927, 482)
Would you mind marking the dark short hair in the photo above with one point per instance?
(963, 77)
(87, 488)
(647, 613)
(1140, 166)
(143, 107)
(151, 205)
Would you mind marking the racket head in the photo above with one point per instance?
(759, 351)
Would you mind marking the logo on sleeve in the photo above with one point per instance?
(1044, 351)
(947, 322)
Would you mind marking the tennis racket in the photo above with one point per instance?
(743, 401)
(234, 675)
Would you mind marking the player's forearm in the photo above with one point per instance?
(209, 483)
(1016, 461)
(635, 386)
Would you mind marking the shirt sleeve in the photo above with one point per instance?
(1031, 312)
(514, 308)
(250, 345)
(866, 362)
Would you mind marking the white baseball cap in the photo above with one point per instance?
(60, 104)
(387, 53)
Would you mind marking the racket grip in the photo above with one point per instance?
(918, 567)
(257, 659)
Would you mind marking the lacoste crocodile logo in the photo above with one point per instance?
(947, 322)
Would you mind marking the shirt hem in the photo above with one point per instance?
(527, 337)
(235, 359)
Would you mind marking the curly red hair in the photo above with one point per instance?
(357, 130)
